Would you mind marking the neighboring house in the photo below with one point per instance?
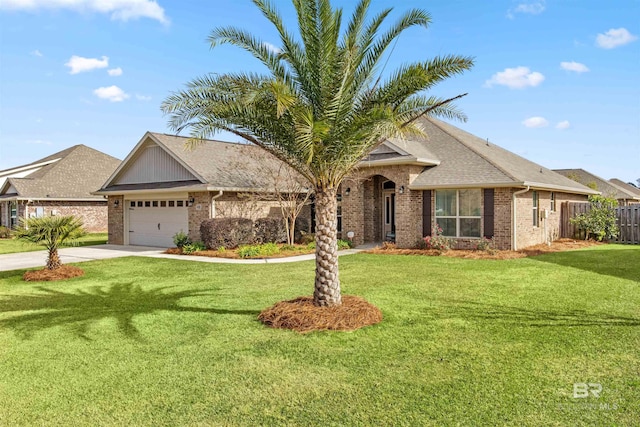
(60, 184)
(468, 186)
(607, 188)
(163, 187)
(628, 187)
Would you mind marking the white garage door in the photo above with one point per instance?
(154, 222)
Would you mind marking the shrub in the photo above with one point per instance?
(248, 251)
(600, 221)
(227, 232)
(301, 229)
(5, 232)
(268, 249)
(485, 244)
(269, 230)
(287, 248)
(190, 248)
(344, 244)
(311, 245)
(180, 239)
(306, 238)
(437, 241)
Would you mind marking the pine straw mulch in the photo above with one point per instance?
(302, 316)
(556, 246)
(61, 273)
(233, 253)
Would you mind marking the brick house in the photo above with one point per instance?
(468, 186)
(60, 184)
(163, 187)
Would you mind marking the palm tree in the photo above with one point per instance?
(322, 105)
(52, 232)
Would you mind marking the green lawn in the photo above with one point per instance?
(9, 246)
(140, 341)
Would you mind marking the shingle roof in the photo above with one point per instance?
(220, 165)
(628, 187)
(466, 160)
(80, 171)
(607, 188)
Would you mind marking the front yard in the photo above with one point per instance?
(10, 246)
(140, 341)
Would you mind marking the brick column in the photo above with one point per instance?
(116, 220)
(353, 210)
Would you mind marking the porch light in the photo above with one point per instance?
(116, 203)
(347, 191)
(401, 190)
(191, 201)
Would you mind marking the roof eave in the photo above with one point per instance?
(524, 184)
(412, 161)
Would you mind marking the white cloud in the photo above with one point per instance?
(122, 10)
(563, 125)
(37, 53)
(112, 93)
(531, 8)
(535, 122)
(78, 64)
(515, 78)
(272, 48)
(142, 97)
(115, 72)
(574, 66)
(615, 37)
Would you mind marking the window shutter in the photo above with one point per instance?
(488, 212)
(426, 213)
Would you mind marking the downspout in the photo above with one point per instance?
(514, 238)
(212, 208)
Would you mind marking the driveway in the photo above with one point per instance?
(24, 260)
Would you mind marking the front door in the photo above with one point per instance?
(389, 216)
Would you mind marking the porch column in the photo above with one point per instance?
(353, 210)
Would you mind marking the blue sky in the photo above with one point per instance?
(557, 82)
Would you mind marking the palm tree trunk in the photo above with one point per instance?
(53, 261)
(327, 287)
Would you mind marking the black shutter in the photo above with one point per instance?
(488, 212)
(426, 213)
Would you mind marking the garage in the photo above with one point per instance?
(155, 222)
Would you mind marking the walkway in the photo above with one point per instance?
(24, 260)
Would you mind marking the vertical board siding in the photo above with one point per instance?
(426, 213)
(488, 213)
(627, 218)
(154, 164)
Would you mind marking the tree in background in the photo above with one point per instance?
(600, 221)
(323, 104)
(51, 232)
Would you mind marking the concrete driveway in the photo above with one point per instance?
(22, 260)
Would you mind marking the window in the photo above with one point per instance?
(154, 203)
(180, 203)
(458, 212)
(163, 203)
(536, 204)
(13, 214)
(171, 203)
(553, 202)
(147, 204)
(132, 204)
(139, 204)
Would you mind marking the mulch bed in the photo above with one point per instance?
(61, 273)
(302, 316)
(233, 254)
(556, 246)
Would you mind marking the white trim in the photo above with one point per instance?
(27, 167)
(536, 186)
(409, 161)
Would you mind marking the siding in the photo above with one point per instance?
(154, 164)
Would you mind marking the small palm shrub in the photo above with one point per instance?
(51, 232)
(190, 248)
(5, 232)
(180, 239)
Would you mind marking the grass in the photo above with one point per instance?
(140, 341)
(10, 246)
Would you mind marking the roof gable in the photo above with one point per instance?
(628, 187)
(77, 172)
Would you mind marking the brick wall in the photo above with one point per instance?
(92, 214)
(198, 212)
(116, 220)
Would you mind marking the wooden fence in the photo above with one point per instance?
(628, 220)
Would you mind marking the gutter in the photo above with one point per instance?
(514, 245)
(212, 207)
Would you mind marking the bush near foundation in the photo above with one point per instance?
(269, 230)
(226, 232)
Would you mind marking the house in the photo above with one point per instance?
(468, 186)
(60, 184)
(626, 186)
(607, 188)
(163, 187)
